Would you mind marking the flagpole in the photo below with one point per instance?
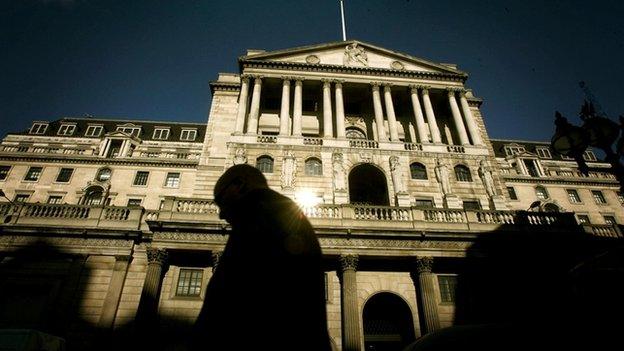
(344, 30)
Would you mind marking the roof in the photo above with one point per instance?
(529, 146)
(110, 125)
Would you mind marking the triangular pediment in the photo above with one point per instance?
(352, 53)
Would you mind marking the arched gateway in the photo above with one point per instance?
(388, 324)
(368, 186)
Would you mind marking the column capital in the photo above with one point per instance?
(257, 78)
(424, 88)
(338, 81)
(424, 264)
(349, 262)
(327, 80)
(452, 90)
(286, 79)
(245, 78)
(158, 256)
(298, 78)
(462, 92)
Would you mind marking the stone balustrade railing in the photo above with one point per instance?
(312, 141)
(267, 139)
(364, 144)
(353, 216)
(72, 216)
(456, 148)
(412, 146)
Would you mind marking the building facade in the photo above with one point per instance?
(113, 224)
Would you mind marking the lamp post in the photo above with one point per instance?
(597, 131)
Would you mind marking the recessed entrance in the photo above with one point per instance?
(388, 324)
(368, 186)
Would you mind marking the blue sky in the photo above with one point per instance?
(153, 59)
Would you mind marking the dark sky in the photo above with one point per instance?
(153, 59)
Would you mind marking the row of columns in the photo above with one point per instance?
(424, 280)
(465, 125)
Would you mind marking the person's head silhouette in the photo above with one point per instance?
(233, 185)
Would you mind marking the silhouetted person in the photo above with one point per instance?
(267, 292)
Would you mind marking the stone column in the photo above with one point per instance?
(350, 312)
(147, 312)
(285, 110)
(379, 120)
(340, 117)
(473, 129)
(254, 110)
(297, 107)
(327, 109)
(431, 119)
(418, 116)
(457, 118)
(392, 123)
(425, 288)
(242, 105)
(113, 295)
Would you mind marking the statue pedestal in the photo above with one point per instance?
(341, 197)
(498, 203)
(452, 201)
(403, 200)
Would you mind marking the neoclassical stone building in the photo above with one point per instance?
(112, 223)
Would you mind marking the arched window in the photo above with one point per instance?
(355, 133)
(104, 174)
(264, 164)
(541, 193)
(462, 174)
(418, 171)
(313, 167)
(94, 196)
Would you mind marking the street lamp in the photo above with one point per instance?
(597, 131)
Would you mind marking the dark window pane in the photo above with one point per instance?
(264, 164)
(448, 286)
(141, 178)
(189, 282)
(64, 175)
(512, 193)
(33, 173)
(4, 172)
(462, 173)
(418, 171)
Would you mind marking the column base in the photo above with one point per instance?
(403, 200)
(498, 203)
(452, 201)
(341, 197)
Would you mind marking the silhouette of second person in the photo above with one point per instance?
(267, 292)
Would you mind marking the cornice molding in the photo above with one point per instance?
(159, 162)
(246, 63)
(593, 182)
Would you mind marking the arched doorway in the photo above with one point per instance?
(368, 186)
(388, 324)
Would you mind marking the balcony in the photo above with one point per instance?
(204, 213)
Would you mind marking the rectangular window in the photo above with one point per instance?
(589, 156)
(140, 178)
(610, 220)
(512, 193)
(38, 128)
(188, 134)
(54, 199)
(513, 150)
(472, 205)
(531, 168)
(134, 202)
(599, 197)
(64, 175)
(448, 287)
(620, 196)
(128, 130)
(66, 129)
(4, 172)
(21, 198)
(573, 196)
(173, 180)
(583, 219)
(189, 282)
(93, 131)
(33, 174)
(161, 134)
(427, 203)
(543, 153)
